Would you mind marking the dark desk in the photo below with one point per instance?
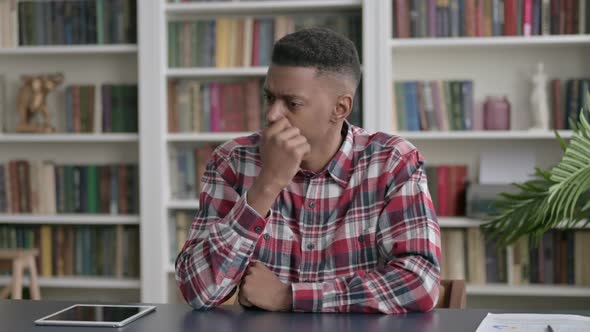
(18, 316)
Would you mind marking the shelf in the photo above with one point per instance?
(204, 137)
(459, 222)
(81, 282)
(69, 219)
(259, 7)
(185, 204)
(484, 135)
(70, 49)
(528, 290)
(217, 72)
(519, 41)
(68, 138)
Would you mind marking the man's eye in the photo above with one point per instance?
(294, 105)
(269, 99)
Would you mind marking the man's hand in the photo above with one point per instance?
(262, 288)
(282, 148)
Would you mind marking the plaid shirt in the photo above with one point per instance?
(362, 235)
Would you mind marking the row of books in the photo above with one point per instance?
(569, 99)
(117, 112)
(559, 258)
(45, 188)
(433, 105)
(236, 106)
(34, 23)
(244, 42)
(106, 251)
(447, 185)
(187, 166)
(181, 222)
(195, 106)
(485, 18)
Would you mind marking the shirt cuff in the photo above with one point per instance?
(313, 296)
(247, 221)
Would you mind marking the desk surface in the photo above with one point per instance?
(19, 316)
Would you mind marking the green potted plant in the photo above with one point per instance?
(558, 197)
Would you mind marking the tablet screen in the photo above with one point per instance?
(96, 313)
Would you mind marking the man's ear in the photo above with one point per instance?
(343, 107)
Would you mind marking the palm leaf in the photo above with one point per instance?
(571, 176)
(557, 197)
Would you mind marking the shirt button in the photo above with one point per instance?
(310, 246)
(266, 236)
(258, 229)
(361, 238)
(311, 204)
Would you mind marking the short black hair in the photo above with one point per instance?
(320, 48)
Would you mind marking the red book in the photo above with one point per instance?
(215, 106)
(556, 103)
(480, 21)
(256, 43)
(442, 187)
(402, 15)
(470, 19)
(510, 21)
(458, 176)
(527, 18)
(76, 107)
(14, 187)
(252, 102)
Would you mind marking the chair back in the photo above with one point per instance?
(452, 294)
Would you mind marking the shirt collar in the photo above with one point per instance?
(340, 168)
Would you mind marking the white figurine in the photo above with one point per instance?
(539, 100)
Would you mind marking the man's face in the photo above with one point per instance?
(298, 94)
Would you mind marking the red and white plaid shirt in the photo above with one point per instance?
(362, 235)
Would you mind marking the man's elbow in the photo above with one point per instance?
(430, 299)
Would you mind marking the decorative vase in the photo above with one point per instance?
(496, 113)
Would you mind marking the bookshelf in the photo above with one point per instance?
(93, 64)
(69, 138)
(82, 283)
(500, 65)
(70, 49)
(69, 219)
(217, 72)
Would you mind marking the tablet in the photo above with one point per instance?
(96, 315)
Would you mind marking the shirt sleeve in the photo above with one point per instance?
(408, 240)
(221, 241)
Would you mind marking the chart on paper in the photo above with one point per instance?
(534, 323)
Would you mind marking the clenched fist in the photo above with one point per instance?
(282, 149)
(260, 287)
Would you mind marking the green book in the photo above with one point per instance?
(100, 24)
(448, 104)
(69, 188)
(132, 101)
(116, 109)
(92, 189)
(457, 101)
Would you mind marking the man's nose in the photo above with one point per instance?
(275, 112)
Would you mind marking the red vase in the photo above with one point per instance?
(496, 113)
